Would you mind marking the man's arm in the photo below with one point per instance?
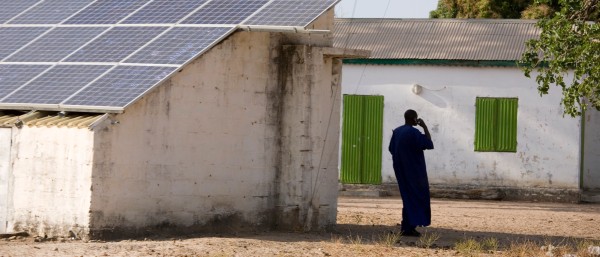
(421, 123)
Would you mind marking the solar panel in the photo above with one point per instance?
(120, 86)
(106, 12)
(164, 11)
(57, 84)
(116, 44)
(11, 39)
(56, 44)
(291, 12)
(179, 45)
(14, 76)
(51, 11)
(99, 33)
(11, 9)
(225, 12)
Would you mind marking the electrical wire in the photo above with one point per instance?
(314, 184)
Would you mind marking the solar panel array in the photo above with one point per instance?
(102, 55)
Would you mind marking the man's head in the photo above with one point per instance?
(410, 117)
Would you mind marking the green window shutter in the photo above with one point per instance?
(496, 124)
(506, 139)
(372, 136)
(351, 139)
(484, 124)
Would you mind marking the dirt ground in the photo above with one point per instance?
(364, 228)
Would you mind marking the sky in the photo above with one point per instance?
(389, 8)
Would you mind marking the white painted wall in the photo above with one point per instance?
(51, 180)
(548, 143)
(591, 157)
(5, 139)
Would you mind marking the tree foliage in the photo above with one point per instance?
(567, 54)
(494, 9)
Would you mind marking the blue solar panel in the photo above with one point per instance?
(51, 12)
(179, 45)
(225, 12)
(10, 9)
(291, 12)
(106, 12)
(121, 86)
(116, 44)
(11, 39)
(14, 76)
(57, 84)
(82, 75)
(56, 44)
(164, 11)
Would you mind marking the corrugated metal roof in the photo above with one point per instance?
(8, 120)
(45, 120)
(436, 39)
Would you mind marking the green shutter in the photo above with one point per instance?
(351, 139)
(362, 135)
(484, 124)
(496, 124)
(506, 140)
(373, 136)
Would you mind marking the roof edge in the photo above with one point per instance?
(435, 62)
(463, 20)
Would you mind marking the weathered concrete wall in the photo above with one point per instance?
(591, 154)
(205, 149)
(50, 188)
(309, 139)
(198, 150)
(5, 142)
(548, 144)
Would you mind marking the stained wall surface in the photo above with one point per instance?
(50, 180)
(591, 153)
(212, 146)
(5, 142)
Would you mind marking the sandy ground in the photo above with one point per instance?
(363, 229)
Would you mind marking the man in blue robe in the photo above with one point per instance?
(407, 147)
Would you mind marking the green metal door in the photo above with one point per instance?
(362, 135)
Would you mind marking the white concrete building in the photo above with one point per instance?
(446, 70)
(234, 139)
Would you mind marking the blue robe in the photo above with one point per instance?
(407, 147)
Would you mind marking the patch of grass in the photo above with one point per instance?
(467, 247)
(428, 239)
(524, 249)
(389, 239)
(490, 244)
(337, 239)
(355, 240)
(583, 248)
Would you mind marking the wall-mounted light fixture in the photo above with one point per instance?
(416, 89)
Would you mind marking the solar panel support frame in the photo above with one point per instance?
(60, 107)
(282, 29)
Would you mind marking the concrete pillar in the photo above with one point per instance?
(309, 132)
